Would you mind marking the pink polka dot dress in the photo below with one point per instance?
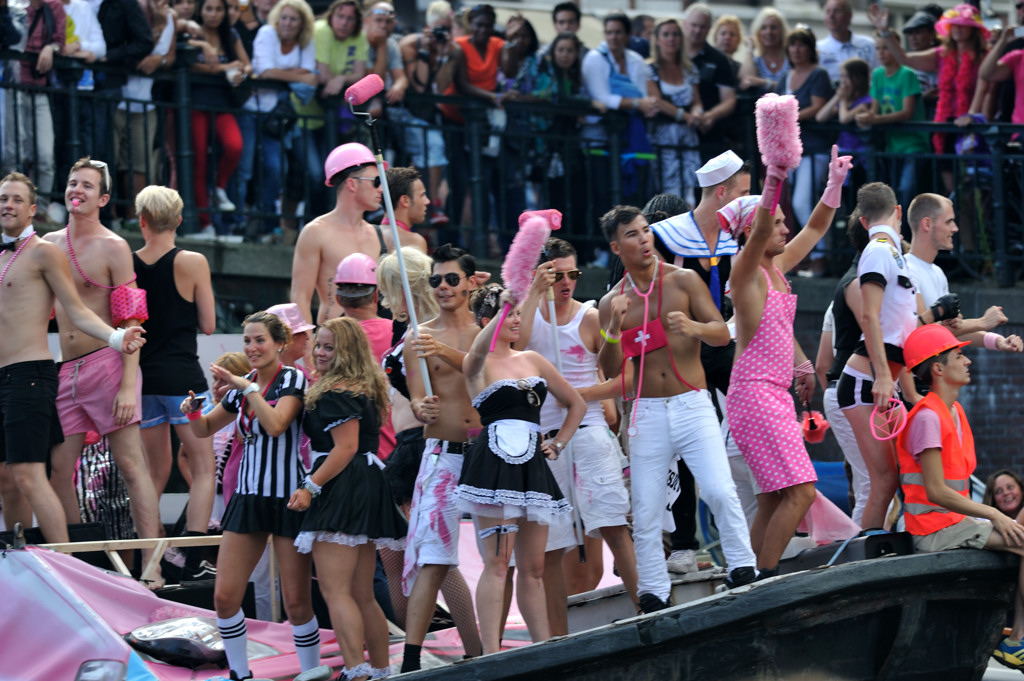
(762, 417)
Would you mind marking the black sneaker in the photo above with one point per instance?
(741, 576)
(203, 573)
(650, 603)
(767, 573)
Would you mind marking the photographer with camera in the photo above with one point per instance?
(430, 70)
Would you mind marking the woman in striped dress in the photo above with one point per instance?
(266, 406)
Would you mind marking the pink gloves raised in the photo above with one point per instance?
(838, 168)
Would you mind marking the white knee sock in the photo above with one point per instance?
(307, 643)
(233, 633)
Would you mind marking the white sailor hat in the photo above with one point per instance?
(719, 169)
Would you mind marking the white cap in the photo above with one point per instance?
(719, 169)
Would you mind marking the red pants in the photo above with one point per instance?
(230, 140)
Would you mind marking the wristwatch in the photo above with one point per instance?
(251, 388)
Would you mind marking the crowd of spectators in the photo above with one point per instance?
(255, 146)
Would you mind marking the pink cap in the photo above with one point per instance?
(348, 156)
(289, 314)
(357, 268)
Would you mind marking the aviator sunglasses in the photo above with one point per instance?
(572, 274)
(375, 180)
(452, 279)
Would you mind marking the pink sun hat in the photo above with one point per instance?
(290, 314)
(961, 15)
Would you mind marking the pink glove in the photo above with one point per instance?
(772, 188)
(838, 168)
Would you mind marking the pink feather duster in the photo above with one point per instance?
(551, 215)
(778, 130)
(517, 270)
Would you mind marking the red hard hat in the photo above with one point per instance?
(928, 341)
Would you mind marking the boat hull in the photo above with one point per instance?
(926, 616)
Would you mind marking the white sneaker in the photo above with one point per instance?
(682, 562)
(206, 233)
(223, 202)
(231, 239)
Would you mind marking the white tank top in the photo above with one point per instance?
(579, 366)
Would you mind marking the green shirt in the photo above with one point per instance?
(890, 93)
(341, 57)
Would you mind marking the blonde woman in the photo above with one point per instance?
(282, 51)
(673, 86)
(727, 35)
(349, 511)
(764, 61)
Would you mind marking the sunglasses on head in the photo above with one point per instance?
(375, 180)
(384, 12)
(572, 274)
(452, 279)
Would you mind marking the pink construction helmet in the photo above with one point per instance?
(347, 156)
(357, 268)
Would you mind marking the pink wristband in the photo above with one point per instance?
(991, 339)
(195, 415)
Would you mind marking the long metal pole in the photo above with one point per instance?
(378, 155)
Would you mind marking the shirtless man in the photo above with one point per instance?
(410, 201)
(325, 241)
(450, 419)
(28, 376)
(103, 269)
(673, 415)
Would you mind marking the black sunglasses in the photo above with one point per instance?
(451, 279)
(375, 180)
(572, 274)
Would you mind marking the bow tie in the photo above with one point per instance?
(9, 246)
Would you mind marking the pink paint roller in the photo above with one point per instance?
(364, 90)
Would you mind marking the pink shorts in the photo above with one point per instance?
(85, 397)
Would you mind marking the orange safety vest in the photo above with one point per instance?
(958, 463)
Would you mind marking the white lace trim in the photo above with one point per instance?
(304, 542)
(503, 439)
(380, 672)
(507, 497)
(337, 423)
(513, 382)
(363, 669)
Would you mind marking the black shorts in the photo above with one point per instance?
(29, 426)
(893, 353)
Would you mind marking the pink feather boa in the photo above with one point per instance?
(958, 77)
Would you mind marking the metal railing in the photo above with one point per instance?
(539, 158)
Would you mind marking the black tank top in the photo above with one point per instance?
(846, 332)
(169, 361)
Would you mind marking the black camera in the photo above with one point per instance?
(441, 34)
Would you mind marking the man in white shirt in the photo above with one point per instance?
(933, 224)
(842, 44)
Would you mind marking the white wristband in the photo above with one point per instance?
(116, 339)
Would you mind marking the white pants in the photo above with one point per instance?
(671, 428)
(843, 431)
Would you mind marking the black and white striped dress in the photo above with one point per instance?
(271, 468)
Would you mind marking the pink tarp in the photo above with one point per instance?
(59, 612)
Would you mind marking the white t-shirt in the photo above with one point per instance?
(883, 264)
(929, 279)
(266, 55)
(832, 53)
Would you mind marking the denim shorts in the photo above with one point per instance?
(157, 409)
